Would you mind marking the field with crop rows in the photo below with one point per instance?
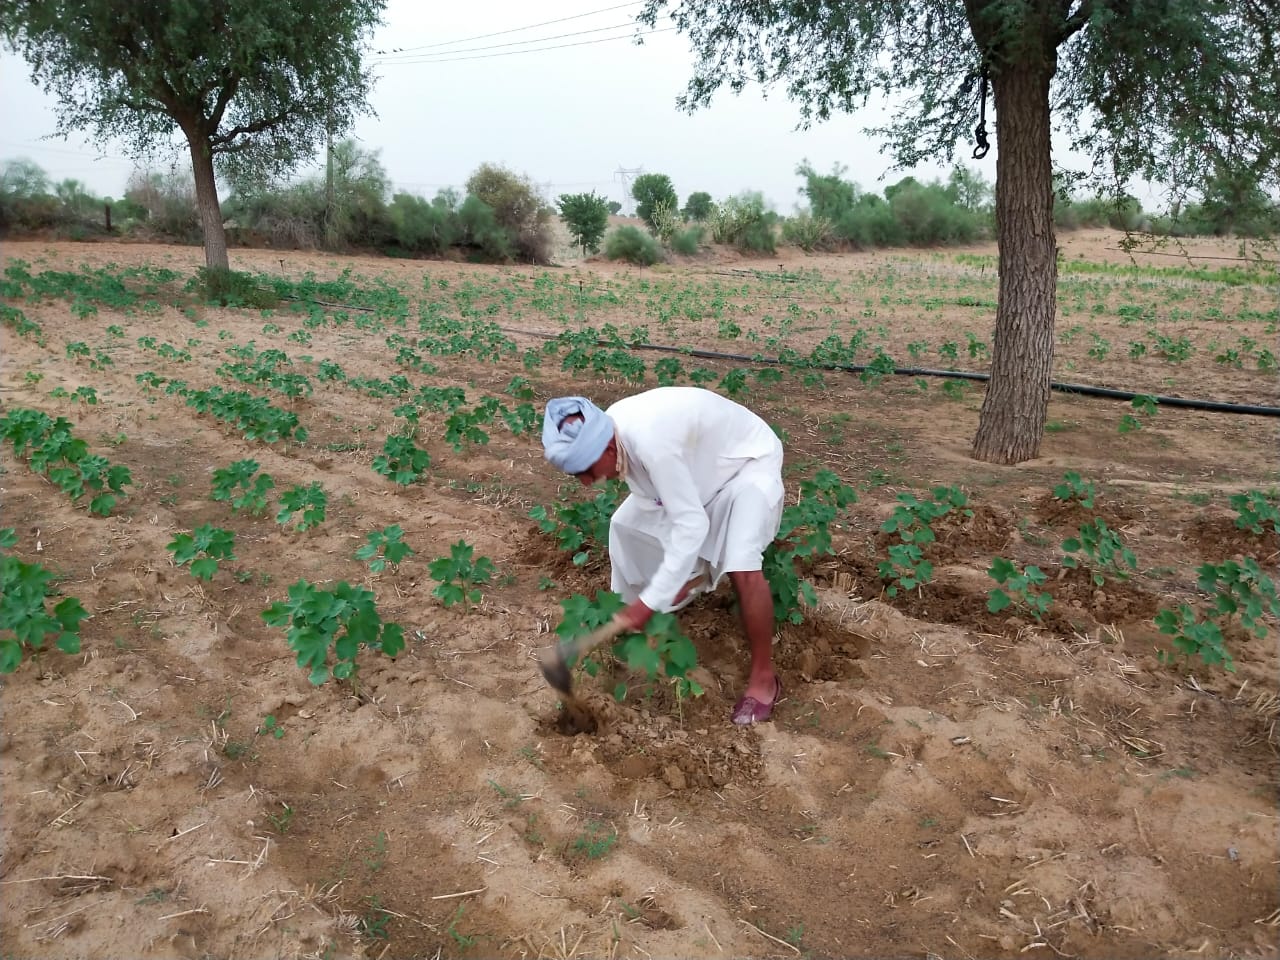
(276, 571)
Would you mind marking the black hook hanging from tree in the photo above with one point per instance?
(980, 131)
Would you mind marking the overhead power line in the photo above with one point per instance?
(503, 33)
(510, 43)
(512, 53)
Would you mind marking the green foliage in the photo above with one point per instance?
(524, 419)
(1256, 511)
(273, 728)
(339, 621)
(464, 426)
(401, 461)
(662, 647)
(1104, 551)
(804, 533)
(651, 190)
(587, 216)
(1194, 636)
(517, 208)
(596, 840)
(581, 526)
(251, 92)
(687, 241)
(632, 245)
(1073, 488)
(1017, 587)
(809, 232)
(253, 416)
(25, 623)
(385, 546)
(238, 484)
(912, 520)
(699, 206)
(746, 223)
(203, 548)
(459, 576)
(310, 501)
(64, 458)
(1240, 589)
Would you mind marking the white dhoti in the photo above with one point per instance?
(744, 516)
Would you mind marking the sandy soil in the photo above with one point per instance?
(940, 781)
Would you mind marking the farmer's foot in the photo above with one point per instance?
(762, 693)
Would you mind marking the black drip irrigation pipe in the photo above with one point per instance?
(1082, 389)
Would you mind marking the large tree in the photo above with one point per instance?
(1166, 90)
(252, 85)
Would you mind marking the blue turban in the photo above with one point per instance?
(577, 445)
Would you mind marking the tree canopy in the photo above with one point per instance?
(1166, 90)
(1173, 91)
(250, 85)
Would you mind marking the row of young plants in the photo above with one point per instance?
(1236, 588)
(253, 416)
(52, 450)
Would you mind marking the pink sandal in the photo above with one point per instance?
(749, 710)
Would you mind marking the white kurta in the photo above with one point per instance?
(705, 476)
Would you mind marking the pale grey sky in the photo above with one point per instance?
(466, 89)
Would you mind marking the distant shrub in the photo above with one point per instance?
(422, 227)
(517, 208)
(699, 206)
(633, 245)
(808, 232)
(664, 220)
(615, 208)
(687, 241)
(291, 216)
(587, 217)
(650, 190)
(910, 212)
(746, 223)
(170, 202)
(478, 229)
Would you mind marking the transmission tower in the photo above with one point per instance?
(625, 175)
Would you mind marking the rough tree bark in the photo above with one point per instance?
(1012, 420)
(215, 237)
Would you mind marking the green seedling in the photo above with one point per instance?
(25, 623)
(238, 484)
(384, 547)
(310, 501)
(1017, 587)
(401, 461)
(459, 576)
(339, 621)
(203, 548)
(1104, 552)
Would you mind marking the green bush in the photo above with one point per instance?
(587, 216)
(809, 232)
(517, 208)
(699, 206)
(687, 241)
(479, 229)
(422, 227)
(744, 222)
(650, 190)
(633, 245)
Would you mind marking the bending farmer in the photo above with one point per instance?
(705, 476)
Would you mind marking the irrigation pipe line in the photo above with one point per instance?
(1082, 389)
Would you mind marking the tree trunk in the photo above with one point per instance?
(215, 237)
(1017, 400)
